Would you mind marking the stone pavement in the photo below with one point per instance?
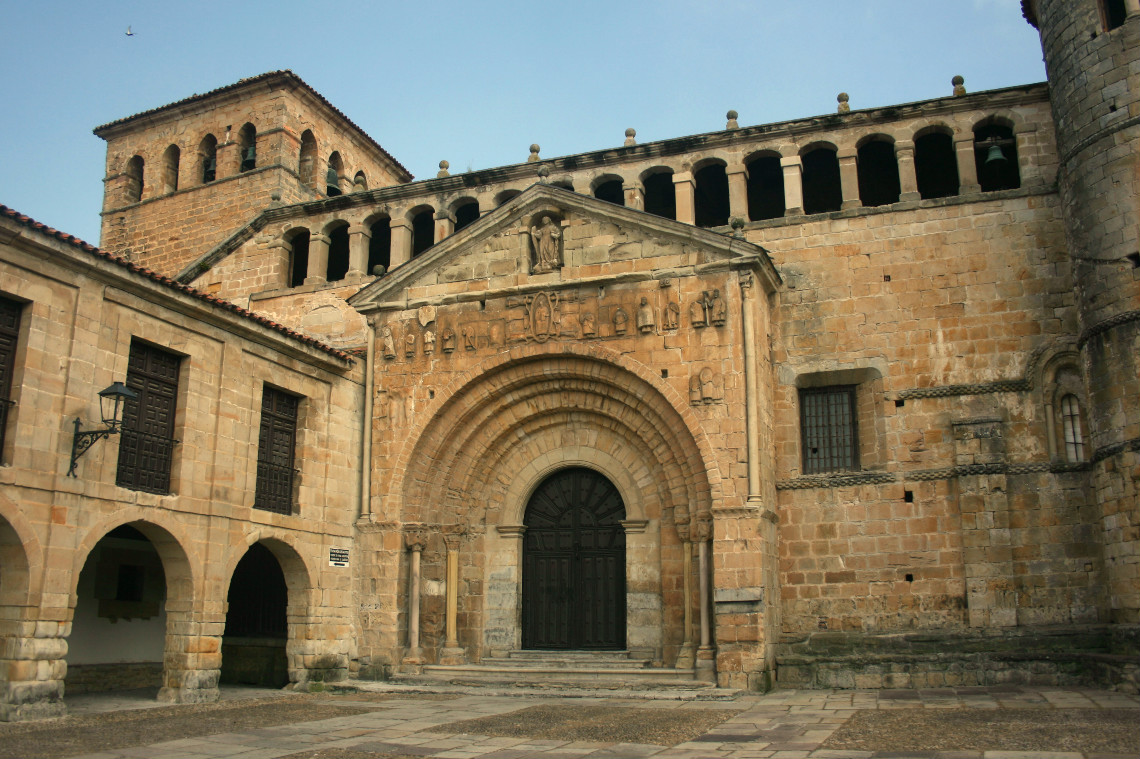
(782, 725)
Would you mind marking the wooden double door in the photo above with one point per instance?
(573, 574)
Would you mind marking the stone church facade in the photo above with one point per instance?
(845, 401)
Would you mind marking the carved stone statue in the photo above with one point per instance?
(447, 340)
(621, 321)
(469, 337)
(545, 239)
(429, 342)
(718, 310)
(708, 385)
(645, 318)
(589, 325)
(695, 390)
(387, 343)
(410, 344)
(697, 313)
(672, 316)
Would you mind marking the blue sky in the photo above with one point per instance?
(477, 82)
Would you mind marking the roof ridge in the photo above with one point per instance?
(245, 81)
(72, 240)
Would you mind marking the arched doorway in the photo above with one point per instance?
(573, 578)
(253, 645)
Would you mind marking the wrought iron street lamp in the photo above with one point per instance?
(111, 403)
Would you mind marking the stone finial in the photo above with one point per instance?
(534, 153)
(959, 85)
(844, 105)
(443, 170)
(543, 173)
(630, 137)
(732, 123)
(737, 225)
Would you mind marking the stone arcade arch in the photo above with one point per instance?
(138, 573)
(502, 430)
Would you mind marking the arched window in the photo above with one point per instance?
(1115, 12)
(134, 186)
(765, 188)
(822, 189)
(878, 173)
(380, 245)
(995, 153)
(1071, 428)
(504, 196)
(333, 175)
(208, 159)
(359, 182)
(660, 196)
(170, 161)
(423, 230)
(611, 191)
(936, 165)
(247, 141)
(466, 212)
(711, 196)
(298, 256)
(307, 162)
(338, 253)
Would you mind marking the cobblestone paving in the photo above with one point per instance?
(780, 725)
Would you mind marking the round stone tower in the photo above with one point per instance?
(1092, 55)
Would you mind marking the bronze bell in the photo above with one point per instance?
(332, 182)
(994, 156)
(209, 169)
(248, 158)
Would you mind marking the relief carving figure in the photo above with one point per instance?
(672, 316)
(705, 386)
(589, 325)
(543, 318)
(645, 318)
(469, 337)
(708, 385)
(621, 321)
(410, 344)
(698, 315)
(387, 344)
(718, 309)
(545, 239)
(695, 390)
(429, 342)
(447, 340)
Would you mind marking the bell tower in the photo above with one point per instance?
(1092, 55)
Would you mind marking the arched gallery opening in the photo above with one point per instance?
(118, 631)
(257, 628)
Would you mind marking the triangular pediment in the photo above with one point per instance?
(586, 239)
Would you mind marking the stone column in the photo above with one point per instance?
(280, 255)
(192, 662)
(444, 225)
(967, 167)
(684, 187)
(793, 185)
(318, 259)
(634, 195)
(737, 191)
(686, 657)
(401, 250)
(414, 541)
(358, 239)
(849, 177)
(452, 653)
(908, 179)
(751, 396)
(706, 654)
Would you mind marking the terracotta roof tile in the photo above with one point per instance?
(284, 73)
(75, 242)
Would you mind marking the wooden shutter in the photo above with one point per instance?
(147, 445)
(276, 446)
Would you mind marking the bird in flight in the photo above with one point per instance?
(129, 32)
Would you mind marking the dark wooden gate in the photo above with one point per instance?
(573, 574)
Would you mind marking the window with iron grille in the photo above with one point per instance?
(829, 429)
(276, 447)
(9, 332)
(146, 445)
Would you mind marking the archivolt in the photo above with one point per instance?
(519, 406)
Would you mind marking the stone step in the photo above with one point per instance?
(567, 662)
(539, 673)
(532, 653)
(682, 690)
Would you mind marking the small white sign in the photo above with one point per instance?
(338, 557)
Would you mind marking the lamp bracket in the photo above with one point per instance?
(83, 440)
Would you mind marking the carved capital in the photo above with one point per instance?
(683, 532)
(415, 539)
